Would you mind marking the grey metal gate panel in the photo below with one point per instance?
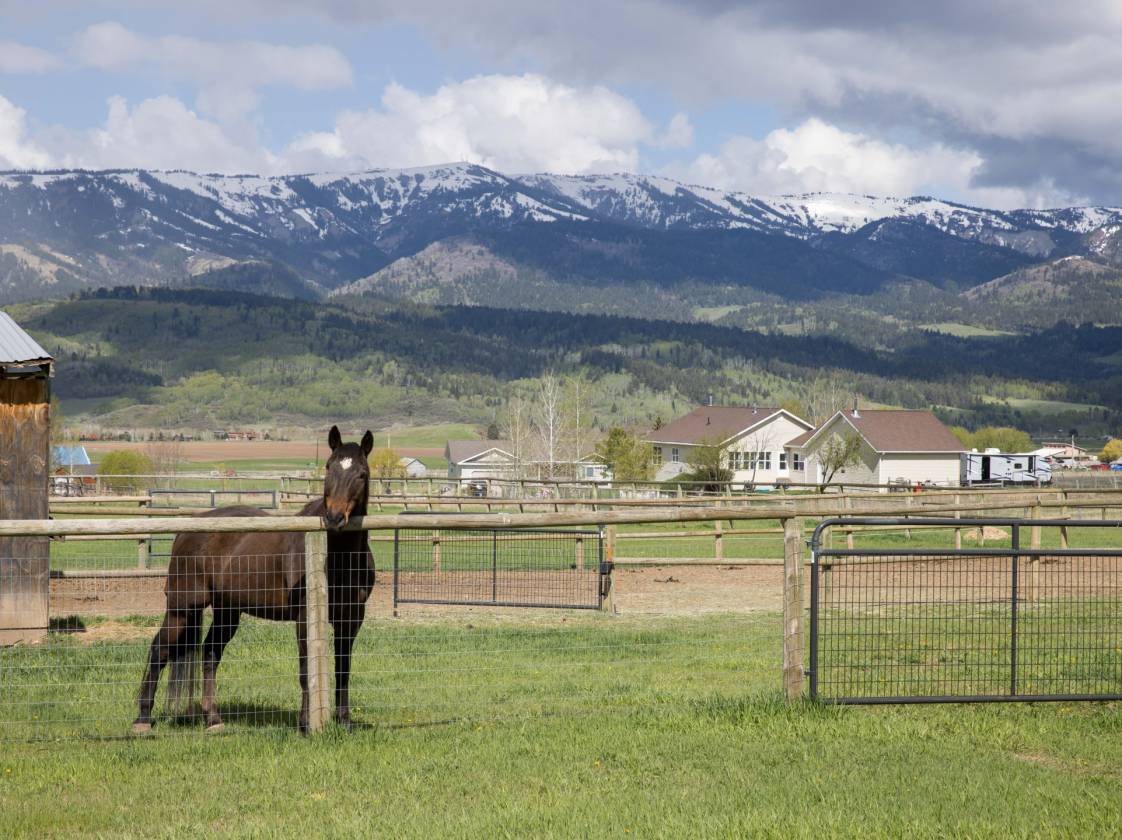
(971, 625)
(498, 567)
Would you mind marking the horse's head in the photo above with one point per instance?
(345, 487)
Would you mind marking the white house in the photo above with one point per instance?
(468, 459)
(753, 440)
(1065, 455)
(897, 446)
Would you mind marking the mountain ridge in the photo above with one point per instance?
(63, 230)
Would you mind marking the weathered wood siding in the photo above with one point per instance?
(24, 460)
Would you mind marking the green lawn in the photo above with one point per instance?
(570, 725)
(963, 330)
(416, 437)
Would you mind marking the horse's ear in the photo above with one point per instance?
(367, 442)
(334, 439)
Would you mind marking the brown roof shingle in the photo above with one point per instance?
(897, 430)
(710, 422)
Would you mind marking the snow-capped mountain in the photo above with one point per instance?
(60, 231)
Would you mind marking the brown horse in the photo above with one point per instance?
(262, 575)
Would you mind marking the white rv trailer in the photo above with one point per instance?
(996, 467)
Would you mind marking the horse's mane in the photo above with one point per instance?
(313, 508)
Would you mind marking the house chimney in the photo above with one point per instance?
(856, 413)
(754, 410)
(709, 401)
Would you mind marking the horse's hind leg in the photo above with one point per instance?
(168, 637)
(222, 629)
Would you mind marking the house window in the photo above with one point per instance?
(674, 455)
(782, 460)
(656, 455)
(589, 472)
(797, 461)
(760, 461)
(734, 461)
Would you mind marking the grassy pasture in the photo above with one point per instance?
(566, 725)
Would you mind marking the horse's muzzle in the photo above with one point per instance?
(335, 519)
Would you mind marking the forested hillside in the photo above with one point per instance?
(195, 358)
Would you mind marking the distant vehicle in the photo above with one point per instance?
(995, 467)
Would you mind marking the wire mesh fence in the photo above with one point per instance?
(432, 663)
(496, 567)
(928, 625)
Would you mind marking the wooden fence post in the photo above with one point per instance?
(319, 662)
(1063, 515)
(849, 531)
(718, 540)
(580, 553)
(142, 553)
(792, 609)
(957, 531)
(1035, 534)
(436, 551)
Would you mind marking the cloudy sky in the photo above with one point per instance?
(996, 103)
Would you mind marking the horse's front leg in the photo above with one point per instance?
(345, 632)
(302, 647)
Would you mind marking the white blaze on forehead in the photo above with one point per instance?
(345, 463)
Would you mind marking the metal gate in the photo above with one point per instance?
(497, 567)
(985, 624)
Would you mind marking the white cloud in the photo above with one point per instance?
(227, 73)
(511, 123)
(678, 134)
(816, 156)
(17, 151)
(20, 58)
(161, 133)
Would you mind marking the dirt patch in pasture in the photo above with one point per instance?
(856, 584)
(989, 532)
(653, 590)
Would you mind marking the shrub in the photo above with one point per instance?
(129, 469)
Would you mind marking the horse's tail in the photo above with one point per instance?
(183, 671)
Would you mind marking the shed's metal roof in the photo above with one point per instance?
(70, 456)
(16, 346)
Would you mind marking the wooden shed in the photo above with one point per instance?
(25, 435)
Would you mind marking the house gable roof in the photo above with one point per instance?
(459, 451)
(718, 423)
(893, 430)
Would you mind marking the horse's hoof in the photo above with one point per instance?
(141, 729)
(215, 728)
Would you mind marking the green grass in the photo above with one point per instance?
(963, 330)
(714, 313)
(417, 437)
(1043, 406)
(591, 726)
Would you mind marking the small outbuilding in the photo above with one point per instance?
(25, 438)
(413, 467)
